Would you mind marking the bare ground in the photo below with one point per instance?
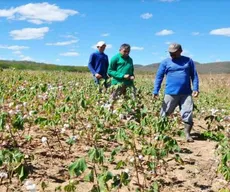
(196, 173)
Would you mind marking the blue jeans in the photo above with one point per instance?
(185, 104)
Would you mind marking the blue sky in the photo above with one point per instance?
(65, 32)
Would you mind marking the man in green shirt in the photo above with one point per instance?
(122, 71)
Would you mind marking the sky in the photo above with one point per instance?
(65, 32)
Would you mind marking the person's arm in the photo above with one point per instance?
(91, 64)
(132, 77)
(107, 64)
(194, 76)
(112, 70)
(159, 78)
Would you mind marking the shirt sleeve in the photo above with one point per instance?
(194, 76)
(159, 78)
(112, 70)
(132, 74)
(91, 64)
(107, 64)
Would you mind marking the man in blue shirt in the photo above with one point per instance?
(98, 64)
(180, 71)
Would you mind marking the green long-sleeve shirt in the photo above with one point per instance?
(120, 66)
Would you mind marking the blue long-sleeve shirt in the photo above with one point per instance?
(180, 72)
(98, 63)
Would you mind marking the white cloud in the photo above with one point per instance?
(37, 13)
(70, 36)
(63, 43)
(168, 42)
(57, 60)
(146, 15)
(164, 32)
(29, 33)
(137, 48)
(155, 53)
(108, 46)
(17, 52)
(221, 31)
(13, 47)
(195, 33)
(70, 54)
(25, 58)
(105, 34)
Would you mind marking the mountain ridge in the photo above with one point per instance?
(206, 68)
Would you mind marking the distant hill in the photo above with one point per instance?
(30, 65)
(206, 68)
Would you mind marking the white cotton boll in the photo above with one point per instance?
(18, 107)
(7, 127)
(121, 116)
(24, 104)
(32, 88)
(115, 111)
(131, 160)
(31, 187)
(66, 126)
(25, 116)
(214, 111)
(120, 101)
(31, 113)
(11, 112)
(87, 148)
(3, 175)
(63, 130)
(107, 106)
(126, 170)
(89, 126)
(140, 157)
(44, 139)
(11, 104)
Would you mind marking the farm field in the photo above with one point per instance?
(58, 133)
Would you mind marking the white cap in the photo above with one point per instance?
(100, 43)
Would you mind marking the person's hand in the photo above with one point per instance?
(98, 76)
(131, 77)
(126, 76)
(195, 93)
(155, 96)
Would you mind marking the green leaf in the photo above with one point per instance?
(155, 187)
(89, 177)
(78, 167)
(120, 164)
(22, 172)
